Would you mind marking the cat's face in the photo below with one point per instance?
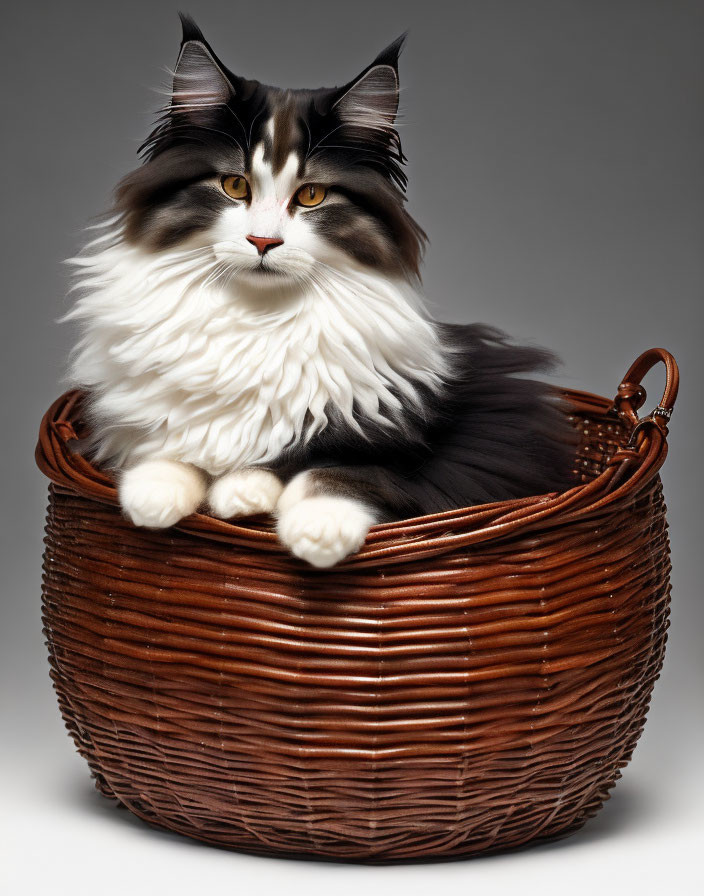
(280, 183)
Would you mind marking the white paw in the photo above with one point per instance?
(159, 493)
(244, 493)
(324, 530)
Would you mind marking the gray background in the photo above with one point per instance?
(556, 162)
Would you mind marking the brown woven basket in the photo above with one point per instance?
(468, 681)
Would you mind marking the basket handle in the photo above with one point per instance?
(631, 395)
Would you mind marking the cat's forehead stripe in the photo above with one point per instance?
(281, 134)
(287, 134)
(271, 184)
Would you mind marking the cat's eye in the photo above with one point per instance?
(311, 195)
(235, 186)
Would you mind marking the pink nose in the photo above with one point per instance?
(264, 243)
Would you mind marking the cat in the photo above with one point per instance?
(254, 338)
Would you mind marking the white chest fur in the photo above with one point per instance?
(187, 366)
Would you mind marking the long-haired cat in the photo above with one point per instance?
(254, 340)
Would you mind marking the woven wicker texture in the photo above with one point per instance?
(468, 682)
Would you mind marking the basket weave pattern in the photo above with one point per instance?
(467, 682)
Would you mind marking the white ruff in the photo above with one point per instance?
(190, 366)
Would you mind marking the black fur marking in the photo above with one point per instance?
(373, 485)
(488, 436)
(288, 135)
(164, 201)
(366, 240)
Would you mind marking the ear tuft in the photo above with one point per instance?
(199, 79)
(364, 115)
(190, 30)
(390, 55)
(371, 100)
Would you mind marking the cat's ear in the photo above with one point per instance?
(370, 101)
(199, 77)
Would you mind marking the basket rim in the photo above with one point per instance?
(626, 474)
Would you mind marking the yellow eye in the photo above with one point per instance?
(235, 186)
(310, 195)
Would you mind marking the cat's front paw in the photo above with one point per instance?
(244, 493)
(158, 493)
(324, 529)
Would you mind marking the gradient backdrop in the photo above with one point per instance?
(556, 161)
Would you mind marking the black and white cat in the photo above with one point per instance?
(254, 339)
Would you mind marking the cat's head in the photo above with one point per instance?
(280, 183)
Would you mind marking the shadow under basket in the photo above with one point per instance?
(468, 682)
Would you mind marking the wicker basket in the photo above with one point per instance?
(467, 682)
